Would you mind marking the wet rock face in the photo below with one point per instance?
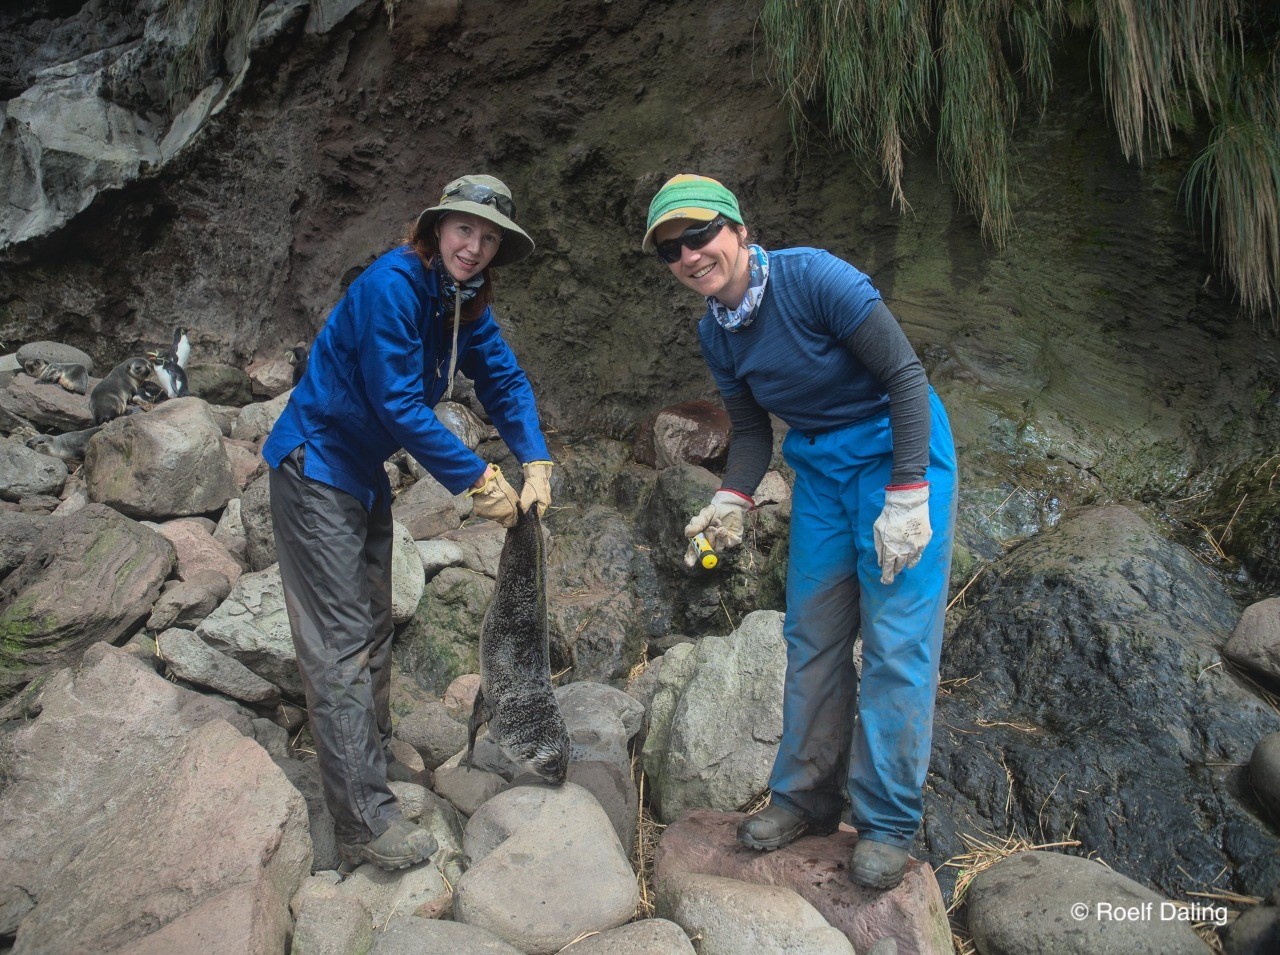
(1089, 697)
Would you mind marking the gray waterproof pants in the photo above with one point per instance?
(335, 564)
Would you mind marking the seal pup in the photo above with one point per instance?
(69, 447)
(111, 397)
(515, 696)
(72, 376)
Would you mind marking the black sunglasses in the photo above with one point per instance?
(694, 239)
(484, 196)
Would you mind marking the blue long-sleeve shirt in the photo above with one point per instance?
(376, 371)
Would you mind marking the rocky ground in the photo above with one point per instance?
(1111, 659)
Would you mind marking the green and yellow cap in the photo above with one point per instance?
(687, 196)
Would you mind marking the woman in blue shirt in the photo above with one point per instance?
(386, 355)
(804, 335)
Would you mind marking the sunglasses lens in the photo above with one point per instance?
(693, 239)
(485, 197)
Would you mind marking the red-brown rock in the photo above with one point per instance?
(696, 432)
(815, 867)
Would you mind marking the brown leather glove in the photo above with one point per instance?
(537, 486)
(495, 500)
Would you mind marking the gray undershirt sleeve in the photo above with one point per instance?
(750, 445)
(881, 346)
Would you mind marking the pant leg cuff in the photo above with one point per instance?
(888, 839)
(791, 806)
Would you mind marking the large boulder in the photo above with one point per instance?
(693, 432)
(219, 384)
(716, 719)
(138, 815)
(408, 578)
(1090, 655)
(1045, 903)
(46, 406)
(169, 462)
(728, 916)
(426, 508)
(55, 352)
(598, 611)
(546, 867)
(26, 473)
(815, 867)
(252, 626)
(255, 421)
(18, 534)
(1255, 642)
(91, 577)
(442, 640)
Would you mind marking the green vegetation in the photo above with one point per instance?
(201, 31)
(881, 73)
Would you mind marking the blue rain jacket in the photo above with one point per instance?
(376, 371)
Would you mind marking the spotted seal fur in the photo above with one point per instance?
(72, 376)
(111, 397)
(515, 696)
(69, 447)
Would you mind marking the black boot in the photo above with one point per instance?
(774, 827)
(876, 865)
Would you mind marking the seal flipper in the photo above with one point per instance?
(480, 714)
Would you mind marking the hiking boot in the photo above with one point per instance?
(876, 865)
(402, 845)
(774, 827)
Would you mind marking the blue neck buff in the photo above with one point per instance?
(736, 319)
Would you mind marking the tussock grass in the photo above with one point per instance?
(878, 74)
(648, 832)
(203, 28)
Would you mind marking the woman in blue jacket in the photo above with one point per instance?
(804, 335)
(386, 355)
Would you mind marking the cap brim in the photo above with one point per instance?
(696, 213)
(516, 243)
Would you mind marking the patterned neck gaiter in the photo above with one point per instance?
(736, 319)
(451, 294)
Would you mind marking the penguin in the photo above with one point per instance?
(151, 391)
(297, 356)
(171, 376)
(180, 350)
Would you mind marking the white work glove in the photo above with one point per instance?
(495, 499)
(722, 523)
(902, 530)
(537, 486)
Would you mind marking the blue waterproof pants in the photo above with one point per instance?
(877, 743)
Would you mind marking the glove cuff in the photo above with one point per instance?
(907, 487)
(531, 463)
(733, 498)
(497, 473)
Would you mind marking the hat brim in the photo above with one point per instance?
(516, 244)
(696, 213)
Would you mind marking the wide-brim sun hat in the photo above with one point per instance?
(688, 196)
(489, 198)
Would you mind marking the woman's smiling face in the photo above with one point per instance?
(719, 269)
(467, 244)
